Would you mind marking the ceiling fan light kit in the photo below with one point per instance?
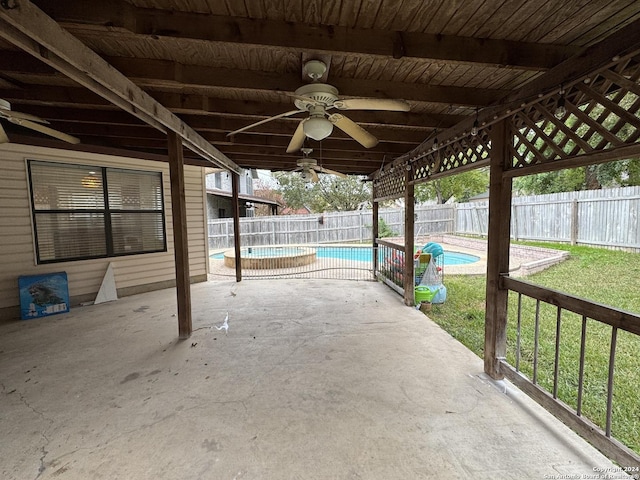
(317, 127)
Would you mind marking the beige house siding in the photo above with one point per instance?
(132, 273)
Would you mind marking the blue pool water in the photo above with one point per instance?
(362, 254)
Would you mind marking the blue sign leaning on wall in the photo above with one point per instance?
(43, 295)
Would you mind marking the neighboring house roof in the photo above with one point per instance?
(242, 196)
(298, 211)
(480, 196)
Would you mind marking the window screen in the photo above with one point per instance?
(82, 212)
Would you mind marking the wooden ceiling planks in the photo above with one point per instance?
(474, 15)
(219, 82)
(501, 19)
(517, 24)
(424, 16)
(547, 18)
(484, 14)
(401, 15)
(512, 19)
(445, 73)
(448, 12)
(348, 13)
(556, 28)
(367, 14)
(598, 31)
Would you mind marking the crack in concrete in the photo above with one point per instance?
(42, 467)
(45, 452)
(94, 445)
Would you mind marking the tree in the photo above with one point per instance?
(294, 190)
(341, 194)
(605, 175)
(263, 190)
(461, 187)
(592, 177)
(550, 182)
(384, 230)
(330, 193)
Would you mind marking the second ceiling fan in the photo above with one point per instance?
(317, 98)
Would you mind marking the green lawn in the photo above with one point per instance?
(606, 276)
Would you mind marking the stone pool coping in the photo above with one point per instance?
(523, 260)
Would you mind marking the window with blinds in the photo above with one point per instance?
(81, 212)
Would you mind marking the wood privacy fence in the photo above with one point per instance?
(607, 218)
(332, 227)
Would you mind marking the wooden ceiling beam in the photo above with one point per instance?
(328, 39)
(55, 96)
(105, 149)
(233, 150)
(145, 149)
(105, 130)
(215, 132)
(30, 29)
(113, 119)
(194, 104)
(288, 126)
(254, 151)
(358, 167)
(153, 74)
(207, 125)
(248, 142)
(249, 160)
(254, 111)
(382, 133)
(290, 159)
(78, 115)
(391, 145)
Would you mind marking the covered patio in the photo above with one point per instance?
(312, 380)
(520, 87)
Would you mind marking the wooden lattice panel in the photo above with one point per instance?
(390, 183)
(461, 153)
(602, 114)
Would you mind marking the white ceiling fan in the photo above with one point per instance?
(310, 168)
(317, 98)
(29, 121)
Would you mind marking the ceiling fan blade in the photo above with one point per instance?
(275, 117)
(314, 176)
(354, 130)
(46, 130)
(3, 136)
(330, 172)
(22, 116)
(297, 140)
(386, 104)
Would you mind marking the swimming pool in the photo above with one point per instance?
(359, 254)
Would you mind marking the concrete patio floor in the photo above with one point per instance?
(314, 380)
